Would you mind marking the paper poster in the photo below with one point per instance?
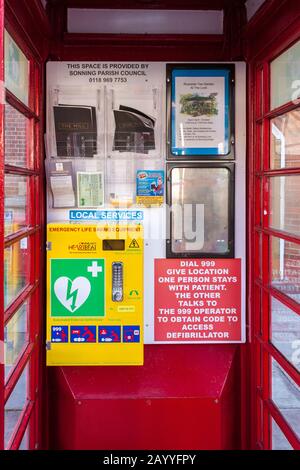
(90, 189)
(200, 112)
(60, 181)
(150, 187)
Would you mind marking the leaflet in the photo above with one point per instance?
(60, 180)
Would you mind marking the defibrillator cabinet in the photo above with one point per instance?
(94, 294)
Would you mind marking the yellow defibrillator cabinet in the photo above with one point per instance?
(94, 294)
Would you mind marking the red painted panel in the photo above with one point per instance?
(166, 51)
(183, 397)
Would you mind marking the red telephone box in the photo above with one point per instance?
(193, 396)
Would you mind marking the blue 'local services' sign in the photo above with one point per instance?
(103, 215)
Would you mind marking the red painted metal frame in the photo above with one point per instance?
(159, 47)
(261, 51)
(28, 21)
(140, 48)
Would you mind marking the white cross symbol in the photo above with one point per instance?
(94, 269)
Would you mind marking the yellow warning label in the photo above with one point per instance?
(134, 244)
(150, 200)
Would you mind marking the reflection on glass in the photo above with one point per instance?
(15, 405)
(16, 127)
(16, 69)
(279, 441)
(286, 396)
(16, 269)
(285, 69)
(284, 203)
(285, 332)
(285, 140)
(286, 267)
(16, 203)
(200, 210)
(15, 338)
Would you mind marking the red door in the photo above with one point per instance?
(21, 214)
(275, 252)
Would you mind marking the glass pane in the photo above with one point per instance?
(285, 140)
(279, 441)
(286, 267)
(16, 203)
(16, 128)
(286, 396)
(15, 337)
(200, 217)
(284, 203)
(15, 405)
(25, 441)
(285, 332)
(16, 70)
(285, 70)
(16, 269)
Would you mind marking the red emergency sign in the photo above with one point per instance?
(198, 300)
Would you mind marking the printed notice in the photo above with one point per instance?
(200, 111)
(200, 121)
(90, 189)
(198, 300)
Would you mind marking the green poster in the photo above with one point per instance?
(77, 287)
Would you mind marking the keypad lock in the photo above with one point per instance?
(117, 281)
